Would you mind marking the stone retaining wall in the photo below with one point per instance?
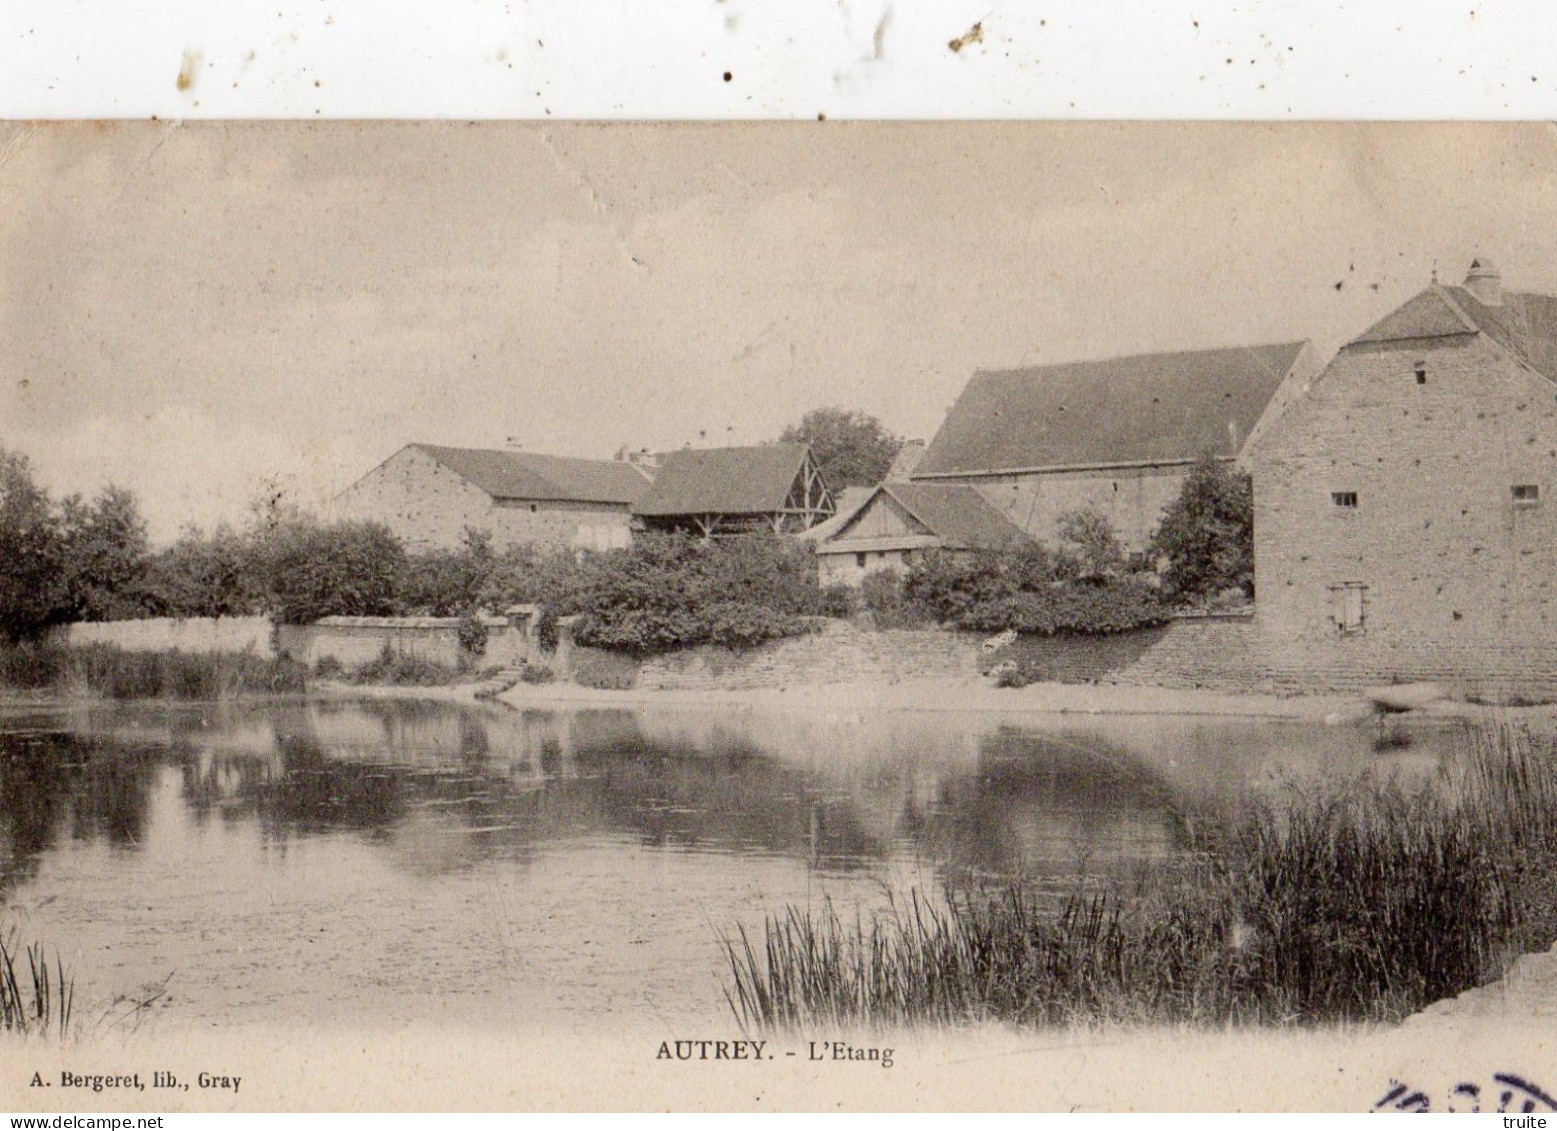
(836, 654)
(159, 634)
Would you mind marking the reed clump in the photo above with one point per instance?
(41, 998)
(115, 673)
(1363, 901)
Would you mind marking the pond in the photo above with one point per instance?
(390, 862)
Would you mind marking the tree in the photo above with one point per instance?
(32, 592)
(449, 583)
(1093, 541)
(200, 575)
(851, 448)
(1206, 537)
(342, 569)
(104, 556)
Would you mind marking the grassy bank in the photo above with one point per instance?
(105, 671)
(1359, 902)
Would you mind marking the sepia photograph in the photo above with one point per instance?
(506, 616)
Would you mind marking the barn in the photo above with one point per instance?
(429, 495)
(713, 492)
(1116, 437)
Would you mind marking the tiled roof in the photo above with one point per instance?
(1428, 315)
(1524, 323)
(847, 502)
(724, 481)
(1160, 407)
(525, 475)
(956, 514)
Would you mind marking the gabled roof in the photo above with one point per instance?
(1428, 315)
(1150, 408)
(525, 475)
(1523, 323)
(903, 464)
(848, 502)
(954, 513)
(724, 481)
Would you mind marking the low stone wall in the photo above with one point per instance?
(1219, 652)
(838, 653)
(1236, 652)
(159, 634)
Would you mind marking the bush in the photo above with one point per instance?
(32, 665)
(342, 569)
(472, 635)
(1012, 675)
(839, 601)
(536, 674)
(1206, 537)
(404, 671)
(1080, 607)
(328, 667)
(548, 632)
(606, 671)
(448, 583)
(668, 592)
(1032, 590)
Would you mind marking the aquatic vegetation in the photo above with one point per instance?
(114, 673)
(39, 1001)
(1357, 901)
(117, 673)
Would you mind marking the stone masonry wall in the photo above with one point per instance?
(1458, 578)
(426, 505)
(1133, 499)
(837, 654)
(157, 634)
(1228, 652)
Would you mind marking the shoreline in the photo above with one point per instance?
(980, 696)
(972, 695)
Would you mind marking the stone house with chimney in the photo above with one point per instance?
(1405, 520)
(428, 495)
(1117, 437)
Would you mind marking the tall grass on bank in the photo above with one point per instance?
(1363, 901)
(40, 1000)
(114, 673)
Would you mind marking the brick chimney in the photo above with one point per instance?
(1484, 282)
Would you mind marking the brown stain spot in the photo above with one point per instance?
(974, 34)
(24, 384)
(187, 69)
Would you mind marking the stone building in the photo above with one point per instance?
(1116, 437)
(1404, 525)
(900, 520)
(428, 495)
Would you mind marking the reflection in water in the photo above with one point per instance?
(378, 860)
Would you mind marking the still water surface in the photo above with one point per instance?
(394, 862)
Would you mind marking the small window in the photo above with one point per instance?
(859, 561)
(534, 507)
(1348, 607)
(1344, 499)
(1525, 493)
(1420, 369)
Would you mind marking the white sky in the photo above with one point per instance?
(192, 310)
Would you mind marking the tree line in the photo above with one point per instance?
(77, 559)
